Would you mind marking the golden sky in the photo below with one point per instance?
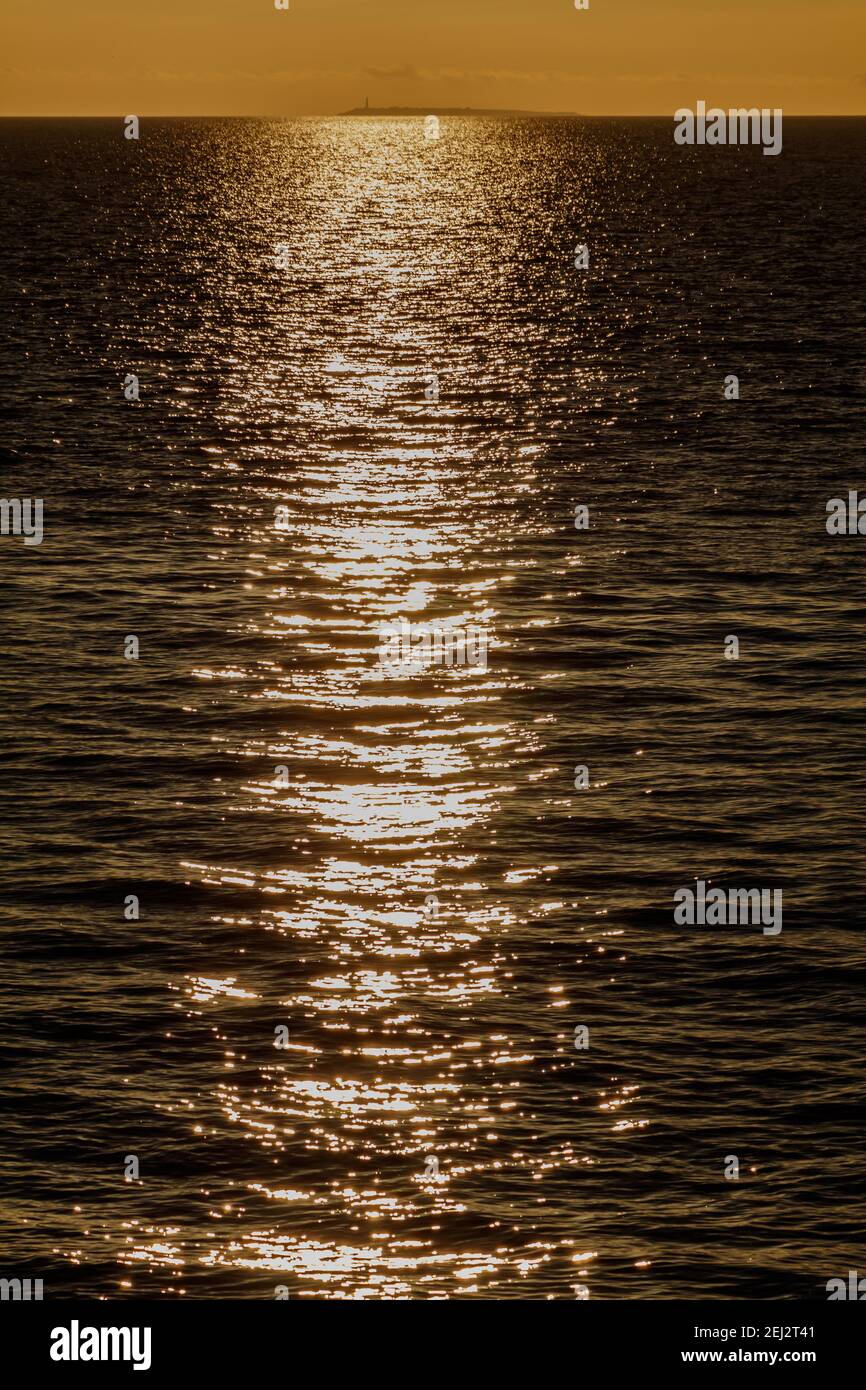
(244, 57)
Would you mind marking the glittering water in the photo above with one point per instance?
(423, 899)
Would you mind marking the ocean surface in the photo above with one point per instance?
(424, 899)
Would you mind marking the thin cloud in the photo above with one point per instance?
(406, 73)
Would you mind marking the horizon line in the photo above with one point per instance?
(395, 112)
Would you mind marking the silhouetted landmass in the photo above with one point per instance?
(449, 111)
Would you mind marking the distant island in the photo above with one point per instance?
(449, 111)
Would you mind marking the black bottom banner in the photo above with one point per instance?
(68, 1338)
